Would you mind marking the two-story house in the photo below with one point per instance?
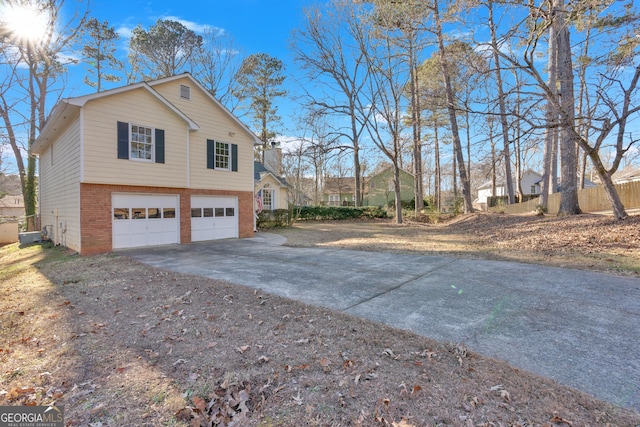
(153, 163)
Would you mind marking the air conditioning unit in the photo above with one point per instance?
(29, 237)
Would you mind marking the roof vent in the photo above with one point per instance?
(185, 92)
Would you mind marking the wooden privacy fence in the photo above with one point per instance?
(590, 200)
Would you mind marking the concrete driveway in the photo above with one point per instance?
(580, 328)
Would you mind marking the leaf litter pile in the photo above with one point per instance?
(119, 343)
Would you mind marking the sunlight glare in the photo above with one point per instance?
(24, 23)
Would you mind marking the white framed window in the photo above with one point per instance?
(185, 92)
(141, 142)
(223, 155)
(267, 199)
(533, 189)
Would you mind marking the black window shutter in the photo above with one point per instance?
(211, 148)
(159, 146)
(234, 157)
(123, 140)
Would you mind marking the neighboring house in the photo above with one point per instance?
(531, 184)
(626, 175)
(11, 206)
(153, 163)
(270, 187)
(380, 190)
(338, 191)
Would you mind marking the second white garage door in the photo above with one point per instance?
(213, 217)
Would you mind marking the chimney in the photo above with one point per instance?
(273, 160)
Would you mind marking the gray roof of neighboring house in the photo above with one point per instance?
(259, 169)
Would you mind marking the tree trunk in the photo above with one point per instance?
(610, 190)
(503, 110)
(437, 199)
(568, 141)
(418, 188)
(551, 115)
(396, 186)
(457, 146)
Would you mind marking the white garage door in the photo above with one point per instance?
(145, 220)
(213, 217)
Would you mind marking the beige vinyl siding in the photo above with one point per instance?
(279, 192)
(101, 165)
(217, 125)
(59, 185)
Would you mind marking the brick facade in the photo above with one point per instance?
(96, 211)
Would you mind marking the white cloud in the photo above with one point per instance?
(197, 28)
(125, 32)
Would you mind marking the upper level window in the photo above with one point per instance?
(533, 189)
(141, 142)
(185, 92)
(222, 155)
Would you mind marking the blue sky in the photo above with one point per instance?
(255, 25)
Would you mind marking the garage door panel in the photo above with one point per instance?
(213, 217)
(144, 220)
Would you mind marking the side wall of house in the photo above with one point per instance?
(59, 182)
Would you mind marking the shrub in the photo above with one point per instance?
(338, 212)
(272, 219)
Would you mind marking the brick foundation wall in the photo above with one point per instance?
(96, 210)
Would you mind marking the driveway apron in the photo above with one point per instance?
(579, 328)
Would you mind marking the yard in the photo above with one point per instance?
(121, 344)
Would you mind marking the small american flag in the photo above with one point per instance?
(259, 201)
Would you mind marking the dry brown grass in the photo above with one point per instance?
(585, 242)
(122, 344)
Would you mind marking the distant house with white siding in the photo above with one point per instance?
(153, 163)
(530, 184)
(626, 175)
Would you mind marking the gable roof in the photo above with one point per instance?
(69, 108)
(339, 185)
(259, 171)
(244, 127)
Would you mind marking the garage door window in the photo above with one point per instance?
(143, 213)
(196, 213)
(230, 212)
(207, 212)
(219, 212)
(121, 213)
(139, 213)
